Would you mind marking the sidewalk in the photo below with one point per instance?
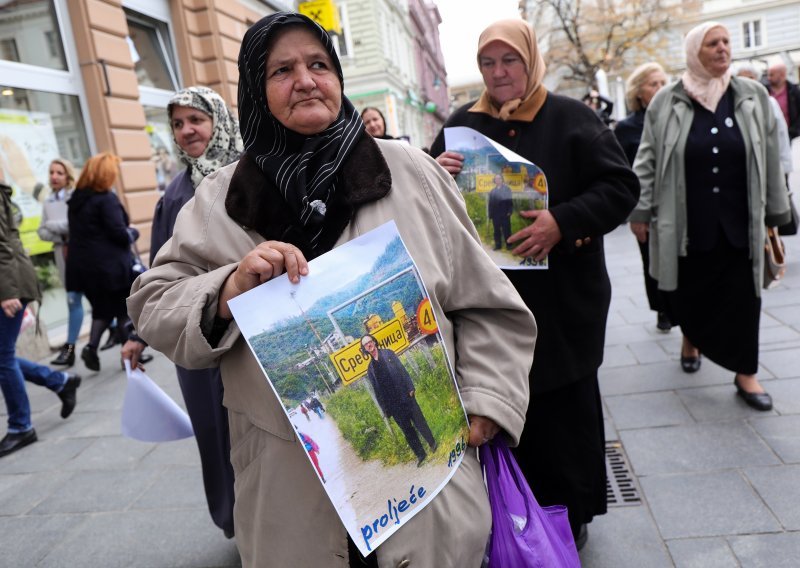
(714, 483)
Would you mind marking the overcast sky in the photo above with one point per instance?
(462, 23)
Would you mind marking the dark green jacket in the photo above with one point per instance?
(17, 276)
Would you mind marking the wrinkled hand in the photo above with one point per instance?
(11, 307)
(538, 238)
(132, 350)
(481, 430)
(265, 262)
(640, 230)
(451, 161)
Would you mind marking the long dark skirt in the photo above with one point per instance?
(717, 307)
(656, 298)
(562, 450)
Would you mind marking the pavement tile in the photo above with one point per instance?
(109, 453)
(785, 395)
(786, 314)
(21, 493)
(783, 364)
(44, 455)
(178, 487)
(625, 334)
(768, 550)
(782, 434)
(647, 410)
(625, 536)
(694, 448)
(702, 553)
(664, 376)
(618, 356)
(33, 538)
(170, 539)
(777, 335)
(706, 504)
(648, 352)
(93, 491)
(179, 452)
(778, 486)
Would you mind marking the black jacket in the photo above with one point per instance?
(794, 108)
(629, 134)
(99, 254)
(591, 191)
(179, 191)
(391, 382)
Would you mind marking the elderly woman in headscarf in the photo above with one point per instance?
(591, 191)
(206, 136)
(311, 178)
(711, 178)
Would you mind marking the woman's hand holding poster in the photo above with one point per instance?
(354, 354)
(497, 185)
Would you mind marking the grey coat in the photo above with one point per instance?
(661, 170)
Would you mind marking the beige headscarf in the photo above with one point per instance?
(698, 82)
(519, 36)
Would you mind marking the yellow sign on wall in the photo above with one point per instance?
(484, 183)
(324, 12)
(351, 363)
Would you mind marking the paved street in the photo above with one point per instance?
(717, 482)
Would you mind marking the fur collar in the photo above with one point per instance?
(254, 201)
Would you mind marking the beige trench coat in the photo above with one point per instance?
(282, 515)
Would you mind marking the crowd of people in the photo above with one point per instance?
(698, 169)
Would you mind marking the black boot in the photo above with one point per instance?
(90, 358)
(113, 339)
(68, 395)
(66, 356)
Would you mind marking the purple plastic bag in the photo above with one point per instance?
(524, 535)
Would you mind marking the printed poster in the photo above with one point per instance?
(354, 354)
(497, 184)
(27, 145)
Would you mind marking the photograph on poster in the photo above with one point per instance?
(354, 353)
(497, 184)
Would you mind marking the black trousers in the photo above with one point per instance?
(202, 392)
(502, 230)
(562, 450)
(411, 420)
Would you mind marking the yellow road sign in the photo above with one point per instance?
(324, 12)
(484, 183)
(425, 318)
(351, 363)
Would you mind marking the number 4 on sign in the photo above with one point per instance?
(425, 318)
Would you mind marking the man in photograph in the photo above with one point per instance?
(500, 208)
(395, 392)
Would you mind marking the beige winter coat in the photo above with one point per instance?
(282, 515)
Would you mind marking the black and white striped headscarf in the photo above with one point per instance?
(304, 168)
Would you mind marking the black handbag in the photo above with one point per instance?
(790, 228)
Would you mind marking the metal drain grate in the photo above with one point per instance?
(621, 487)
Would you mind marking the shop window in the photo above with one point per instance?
(152, 53)
(25, 27)
(164, 156)
(34, 129)
(751, 34)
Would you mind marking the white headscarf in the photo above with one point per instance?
(698, 82)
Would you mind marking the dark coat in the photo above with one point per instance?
(99, 254)
(793, 92)
(391, 382)
(591, 191)
(17, 276)
(629, 133)
(178, 193)
(500, 205)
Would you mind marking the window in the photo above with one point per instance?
(152, 53)
(164, 156)
(24, 27)
(751, 34)
(342, 42)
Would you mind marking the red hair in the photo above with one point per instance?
(100, 172)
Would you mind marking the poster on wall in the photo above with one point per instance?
(27, 145)
(353, 352)
(497, 184)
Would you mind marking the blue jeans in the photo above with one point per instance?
(41, 375)
(12, 383)
(75, 305)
